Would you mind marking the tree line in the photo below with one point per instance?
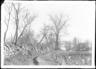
(15, 10)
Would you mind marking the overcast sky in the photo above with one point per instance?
(82, 17)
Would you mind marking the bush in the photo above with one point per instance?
(27, 38)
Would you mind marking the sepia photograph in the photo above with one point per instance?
(47, 34)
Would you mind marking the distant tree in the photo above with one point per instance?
(81, 46)
(85, 46)
(59, 24)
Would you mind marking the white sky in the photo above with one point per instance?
(82, 14)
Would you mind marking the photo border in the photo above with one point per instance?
(44, 66)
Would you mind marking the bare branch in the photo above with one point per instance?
(6, 21)
(60, 19)
(52, 29)
(64, 23)
(17, 14)
(28, 21)
(14, 6)
(59, 23)
(54, 21)
(44, 33)
(8, 8)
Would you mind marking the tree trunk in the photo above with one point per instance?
(16, 34)
(56, 46)
(41, 40)
(5, 36)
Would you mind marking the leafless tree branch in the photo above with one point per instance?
(6, 21)
(27, 21)
(44, 33)
(59, 22)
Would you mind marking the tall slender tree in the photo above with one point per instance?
(27, 20)
(8, 9)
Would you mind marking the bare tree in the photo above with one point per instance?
(8, 9)
(27, 19)
(59, 23)
(17, 12)
(44, 33)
